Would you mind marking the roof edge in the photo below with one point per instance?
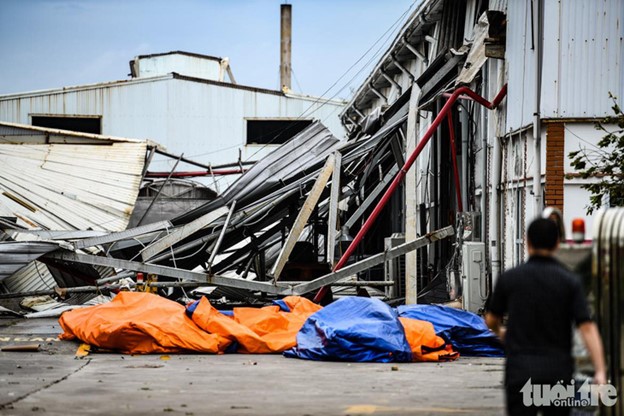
(193, 54)
(61, 90)
(172, 75)
(258, 89)
(72, 133)
(413, 22)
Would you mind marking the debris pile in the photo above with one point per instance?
(281, 231)
(277, 231)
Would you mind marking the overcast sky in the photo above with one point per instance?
(55, 43)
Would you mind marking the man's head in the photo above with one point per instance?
(542, 237)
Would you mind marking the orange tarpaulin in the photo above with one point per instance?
(139, 323)
(143, 323)
(257, 330)
(424, 343)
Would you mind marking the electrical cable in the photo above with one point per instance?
(319, 99)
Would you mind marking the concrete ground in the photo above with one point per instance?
(53, 382)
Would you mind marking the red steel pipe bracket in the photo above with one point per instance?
(460, 204)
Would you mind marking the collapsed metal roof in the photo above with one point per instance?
(52, 180)
(275, 231)
(15, 255)
(241, 242)
(59, 181)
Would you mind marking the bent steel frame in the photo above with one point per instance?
(274, 288)
(444, 113)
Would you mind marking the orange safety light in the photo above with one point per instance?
(578, 230)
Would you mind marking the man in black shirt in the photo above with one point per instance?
(542, 300)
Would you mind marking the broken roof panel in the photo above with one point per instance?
(14, 133)
(14, 255)
(267, 198)
(65, 187)
(301, 154)
(32, 277)
(305, 150)
(61, 180)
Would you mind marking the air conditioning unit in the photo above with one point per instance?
(473, 276)
(394, 269)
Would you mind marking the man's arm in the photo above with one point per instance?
(495, 323)
(593, 342)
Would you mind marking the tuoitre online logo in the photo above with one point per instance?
(570, 395)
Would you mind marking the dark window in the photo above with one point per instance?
(274, 131)
(81, 124)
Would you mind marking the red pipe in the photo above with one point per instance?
(408, 164)
(460, 204)
(193, 174)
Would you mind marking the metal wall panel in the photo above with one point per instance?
(551, 71)
(590, 57)
(500, 5)
(193, 66)
(203, 120)
(68, 187)
(582, 59)
(520, 95)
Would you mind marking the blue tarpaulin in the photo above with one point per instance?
(191, 308)
(283, 306)
(353, 329)
(466, 331)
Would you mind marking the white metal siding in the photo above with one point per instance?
(590, 58)
(182, 64)
(582, 59)
(520, 96)
(204, 121)
(500, 5)
(66, 187)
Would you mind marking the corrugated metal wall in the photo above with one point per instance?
(590, 59)
(452, 25)
(204, 121)
(67, 187)
(500, 5)
(519, 56)
(583, 51)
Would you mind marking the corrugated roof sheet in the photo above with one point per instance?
(14, 133)
(35, 276)
(79, 182)
(301, 154)
(14, 255)
(64, 187)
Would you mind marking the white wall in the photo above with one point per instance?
(578, 136)
(203, 120)
(582, 59)
(192, 66)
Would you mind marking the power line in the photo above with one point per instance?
(384, 37)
